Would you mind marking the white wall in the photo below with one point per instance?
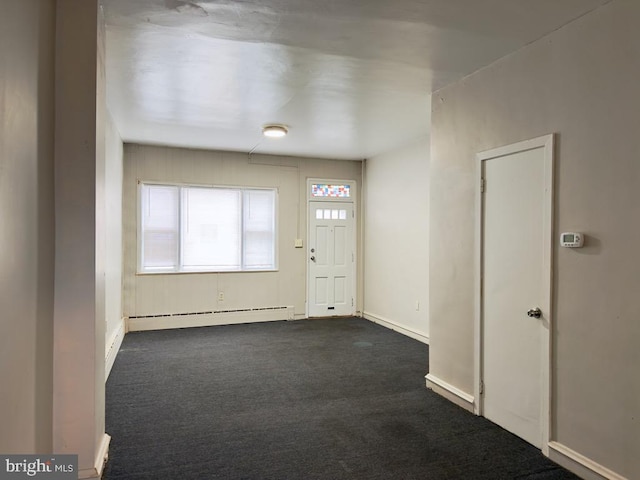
(396, 247)
(26, 229)
(180, 293)
(113, 243)
(580, 82)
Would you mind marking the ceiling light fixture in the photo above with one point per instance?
(274, 131)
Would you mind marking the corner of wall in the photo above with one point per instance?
(451, 393)
(112, 348)
(579, 464)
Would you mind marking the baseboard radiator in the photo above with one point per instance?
(160, 321)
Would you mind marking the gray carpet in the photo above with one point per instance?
(310, 399)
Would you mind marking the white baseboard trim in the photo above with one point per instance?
(210, 319)
(385, 322)
(451, 393)
(113, 347)
(101, 459)
(579, 464)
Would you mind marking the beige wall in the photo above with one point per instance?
(180, 293)
(396, 219)
(580, 82)
(31, 322)
(80, 170)
(26, 229)
(113, 243)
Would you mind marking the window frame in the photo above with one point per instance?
(178, 270)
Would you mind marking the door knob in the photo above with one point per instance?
(534, 312)
(313, 258)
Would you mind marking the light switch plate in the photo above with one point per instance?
(298, 243)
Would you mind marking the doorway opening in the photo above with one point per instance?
(331, 248)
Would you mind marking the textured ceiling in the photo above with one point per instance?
(351, 78)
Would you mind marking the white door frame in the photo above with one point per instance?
(351, 199)
(547, 143)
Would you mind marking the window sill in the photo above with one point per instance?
(144, 274)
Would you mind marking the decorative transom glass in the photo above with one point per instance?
(335, 191)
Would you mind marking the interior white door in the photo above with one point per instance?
(514, 255)
(331, 259)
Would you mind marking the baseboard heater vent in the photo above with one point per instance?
(210, 312)
(160, 321)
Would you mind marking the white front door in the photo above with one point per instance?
(516, 243)
(331, 259)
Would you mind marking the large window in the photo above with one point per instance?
(206, 229)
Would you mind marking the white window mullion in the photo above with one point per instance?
(242, 231)
(181, 216)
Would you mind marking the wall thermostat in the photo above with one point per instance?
(571, 239)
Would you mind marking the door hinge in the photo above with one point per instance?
(483, 185)
(352, 302)
(481, 387)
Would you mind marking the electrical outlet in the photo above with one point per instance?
(221, 296)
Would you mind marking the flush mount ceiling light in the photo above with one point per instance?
(274, 131)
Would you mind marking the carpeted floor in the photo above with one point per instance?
(311, 399)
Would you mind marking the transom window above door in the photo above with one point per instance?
(321, 190)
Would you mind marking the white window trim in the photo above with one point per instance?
(139, 269)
